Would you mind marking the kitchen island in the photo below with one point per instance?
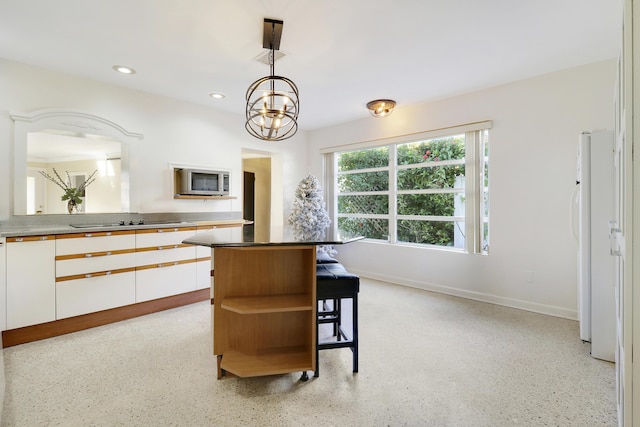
(263, 300)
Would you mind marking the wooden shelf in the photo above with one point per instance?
(267, 304)
(267, 361)
(182, 196)
(264, 309)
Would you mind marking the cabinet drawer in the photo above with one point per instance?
(160, 282)
(87, 295)
(204, 251)
(105, 261)
(203, 274)
(164, 254)
(162, 236)
(82, 243)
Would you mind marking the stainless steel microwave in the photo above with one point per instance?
(200, 182)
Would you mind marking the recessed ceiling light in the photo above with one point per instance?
(217, 95)
(124, 69)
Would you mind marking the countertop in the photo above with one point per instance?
(277, 236)
(35, 230)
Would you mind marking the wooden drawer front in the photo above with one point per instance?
(162, 236)
(83, 243)
(82, 296)
(22, 239)
(160, 282)
(162, 254)
(84, 265)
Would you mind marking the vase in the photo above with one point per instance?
(72, 207)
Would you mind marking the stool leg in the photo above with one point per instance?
(354, 311)
(337, 307)
(316, 373)
(336, 324)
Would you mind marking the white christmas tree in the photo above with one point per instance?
(309, 218)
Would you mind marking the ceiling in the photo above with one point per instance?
(341, 54)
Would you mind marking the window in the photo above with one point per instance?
(426, 191)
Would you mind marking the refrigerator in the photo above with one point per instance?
(596, 274)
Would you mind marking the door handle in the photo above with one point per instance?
(615, 238)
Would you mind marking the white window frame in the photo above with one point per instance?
(474, 218)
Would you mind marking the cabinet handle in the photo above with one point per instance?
(44, 238)
(108, 253)
(88, 255)
(88, 275)
(107, 273)
(160, 265)
(88, 235)
(19, 239)
(176, 247)
(108, 233)
(160, 231)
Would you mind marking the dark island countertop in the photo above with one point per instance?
(277, 236)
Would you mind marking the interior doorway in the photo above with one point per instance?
(248, 208)
(257, 197)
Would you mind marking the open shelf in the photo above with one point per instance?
(267, 303)
(267, 362)
(185, 196)
(264, 309)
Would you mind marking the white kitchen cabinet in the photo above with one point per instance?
(204, 261)
(205, 256)
(30, 280)
(94, 272)
(164, 265)
(95, 292)
(3, 285)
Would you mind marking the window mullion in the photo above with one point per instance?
(331, 191)
(471, 192)
(393, 194)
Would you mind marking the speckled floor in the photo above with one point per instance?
(426, 360)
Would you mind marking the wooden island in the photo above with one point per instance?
(263, 301)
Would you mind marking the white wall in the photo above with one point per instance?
(533, 145)
(174, 132)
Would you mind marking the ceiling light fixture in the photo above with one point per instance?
(381, 107)
(124, 69)
(217, 95)
(272, 101)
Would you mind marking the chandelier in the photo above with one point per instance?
(272, 101)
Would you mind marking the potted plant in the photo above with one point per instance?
(73, 195)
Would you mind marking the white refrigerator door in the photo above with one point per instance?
(596, 286)
(603, 311)
(584, 221)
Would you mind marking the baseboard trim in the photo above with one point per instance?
(549, 310)
(78, 323)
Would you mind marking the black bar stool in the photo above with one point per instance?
(334, 283)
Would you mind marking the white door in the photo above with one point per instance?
(622, 295)
(622, 228)
(36, 185)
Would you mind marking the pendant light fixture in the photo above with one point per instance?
(272, 101)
